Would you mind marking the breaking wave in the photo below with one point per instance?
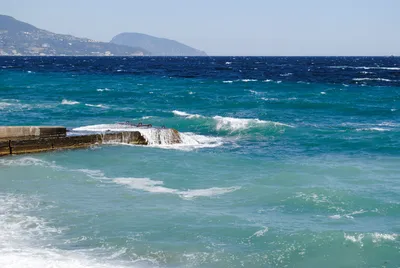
(69, 102)
(165, 138)
(233, 124)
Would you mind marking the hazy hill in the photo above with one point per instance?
(20, 38)
(156, 46)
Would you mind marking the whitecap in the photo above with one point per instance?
(261, 232)
(286, 74)
(69, 102)
(373, 129)
(377, 237)
(366, 68)
(97, 106)
(148, 185)
(4, 105)
(227, 82)
(228, 63)
(373, 79)
(268, 80)
(354, 238)
(187, 115)
(103, 89)
(249, 80)
(233, 124)
(270, 99)
(323, 93)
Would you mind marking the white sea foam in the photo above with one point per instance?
(228, 63)
(227, 82)
(69, 102)
(25, 239)
(148, 185)
(97, 106)
(27, 161)
(268, 80)
(323, 93)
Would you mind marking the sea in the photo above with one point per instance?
(284, 162)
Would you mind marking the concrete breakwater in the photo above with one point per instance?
(28, 139)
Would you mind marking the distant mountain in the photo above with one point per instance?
(156, 46)
(20, 38)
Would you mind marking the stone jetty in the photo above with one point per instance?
(34, 139)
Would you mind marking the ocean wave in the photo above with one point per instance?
(360, 238)
(227, 82)
(286, 74)
(16, 105)
(69, 102)
(183, 114)
(260, 233)
(103, 89)
(373, 129)
(160, 138)
(248, 80)
(366, 68)
(148, 185)
(373, 79)
(97, 106)
(347, 215)
(4, 105)
(233, 124)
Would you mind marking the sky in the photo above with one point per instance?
(229, 27)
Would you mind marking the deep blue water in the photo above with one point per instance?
(286, 162)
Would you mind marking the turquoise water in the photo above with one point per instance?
(286, 162)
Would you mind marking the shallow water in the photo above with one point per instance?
(286, 162)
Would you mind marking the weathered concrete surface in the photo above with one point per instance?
(22, 132)
(42, 144)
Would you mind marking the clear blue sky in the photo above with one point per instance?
(229, 27)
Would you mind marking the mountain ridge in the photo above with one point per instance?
(157, 46)
(19, 38)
